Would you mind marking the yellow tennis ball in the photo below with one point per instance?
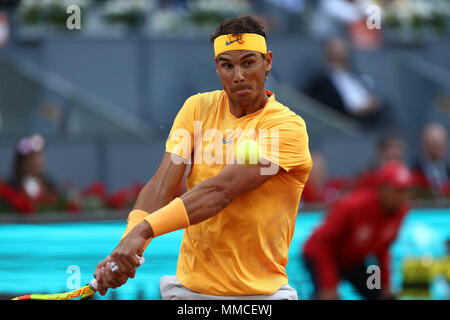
(247, 152)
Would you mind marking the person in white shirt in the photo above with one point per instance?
(432, 162)
(340, 88)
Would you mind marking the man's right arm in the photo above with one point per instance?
(157, 193)
(160, 190)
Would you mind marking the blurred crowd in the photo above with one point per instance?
(320, 19)
(342, 24)
(29, 189)
(430, 169)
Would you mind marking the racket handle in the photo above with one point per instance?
(114, 268)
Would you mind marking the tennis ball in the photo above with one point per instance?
(247, 152)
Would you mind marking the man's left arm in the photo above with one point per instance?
(203, 201)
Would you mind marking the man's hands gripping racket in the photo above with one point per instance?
(85, 292)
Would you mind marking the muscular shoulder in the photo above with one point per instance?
(284, 140)
(201, 103)
(290, 127)
(280, 116)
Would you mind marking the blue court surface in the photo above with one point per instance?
(44, 258)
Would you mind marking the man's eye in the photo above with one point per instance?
(228, 66)
(248, 63)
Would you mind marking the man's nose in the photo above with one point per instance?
(238, 75)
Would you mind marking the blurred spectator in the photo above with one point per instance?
(30, 190)
(4, 29)
(28, 186)
(431, 169)
(361, 225)
(390, 146)
(342, 89)
(333, 17)
(319, 188)
(29, 168)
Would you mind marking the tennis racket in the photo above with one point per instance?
(85, 292)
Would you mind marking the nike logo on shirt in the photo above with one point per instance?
(225, 141)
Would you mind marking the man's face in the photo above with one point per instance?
(243, 73)
(435, 145)
(394, 150)
(34, 164)
(338, 53)
(392, 198)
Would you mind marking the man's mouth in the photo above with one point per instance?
(242, 91)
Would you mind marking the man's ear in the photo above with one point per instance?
(268, 61)
(217, 65)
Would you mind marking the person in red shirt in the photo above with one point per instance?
(363, 224)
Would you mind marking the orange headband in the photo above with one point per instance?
(245, 41)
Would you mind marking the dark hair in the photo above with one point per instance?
(18, 165)
(239, 25)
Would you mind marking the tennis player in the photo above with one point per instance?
(239, 219)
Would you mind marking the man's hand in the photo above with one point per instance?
(107, 279)
(124, 255)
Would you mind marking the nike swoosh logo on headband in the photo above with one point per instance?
(228, 43)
